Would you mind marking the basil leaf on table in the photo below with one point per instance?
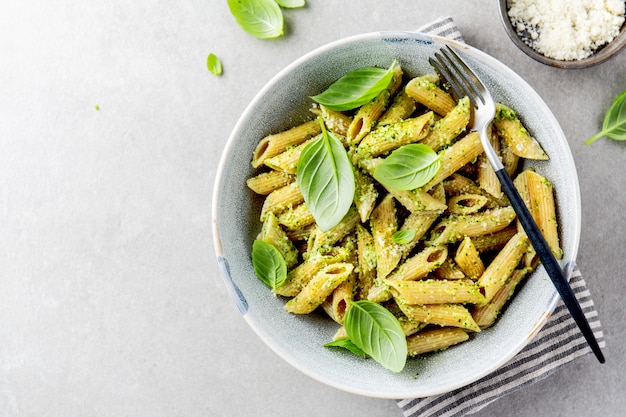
(376, 331)
(614, 124)
(269, 265)
(260, 18)
(326, 179)
(356, 88)
(408, 167)
(213, 64)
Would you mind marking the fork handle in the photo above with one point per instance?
(549, 261)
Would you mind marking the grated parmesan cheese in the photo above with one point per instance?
(566, 30)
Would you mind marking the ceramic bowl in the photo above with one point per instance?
(603, 54)
(283, 103)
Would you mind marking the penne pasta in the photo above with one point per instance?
(282, 199)
(453, 315)
(424, 90)
(431, 340)
(499, 270)
(323, 239)
(466, 203)
(420, 265)
(494, 241)
(436, 291)
(449, 127)
(319, 288)
(487, 178)
(296, 218)
(536, 191)
(278, 143)
(384, 224)
(368, 114)
(468, 259)
(509, 159)
(365, 194)
(449, 270)
(387, 138)
(419, 223)
(301, 234)
(455, 157)
(335, 121)
(272, 233)
(486, 315)
(269, 181)
(366, 258)
(286, 161)
(455, 228)
(417, 200)
(379, 292)
(299, 276)
(510, 128)
(458, 184)
(400, 108)
(337, 303)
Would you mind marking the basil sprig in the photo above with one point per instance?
(408, 167)
(260, 18)
(355, 88)
(326, 179)
(268, 263)
(614, 124)
(377, 332)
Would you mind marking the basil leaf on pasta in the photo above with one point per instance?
(376, 331)
(347, 344)
(408, 167)
(326, 178)
(268, 263)
(402, 237)
(356, 88)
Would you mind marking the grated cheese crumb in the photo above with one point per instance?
(566, 30)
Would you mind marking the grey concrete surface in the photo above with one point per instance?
(111, 128)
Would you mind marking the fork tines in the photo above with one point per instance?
(459, 76)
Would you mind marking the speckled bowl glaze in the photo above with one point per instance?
(603, 54)
(283, 103)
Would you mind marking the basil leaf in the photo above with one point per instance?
(269, 265)
(356, 88)
(326, 179)
(408, 167)
(291, 4)
(213, 64)
(376, 331)
(402, 237)
(614, 124)
(260, 18)
(347, 344)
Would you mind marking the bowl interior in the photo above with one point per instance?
(283, 103)
(603, 54)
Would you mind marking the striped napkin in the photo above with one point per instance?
(557, 343)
